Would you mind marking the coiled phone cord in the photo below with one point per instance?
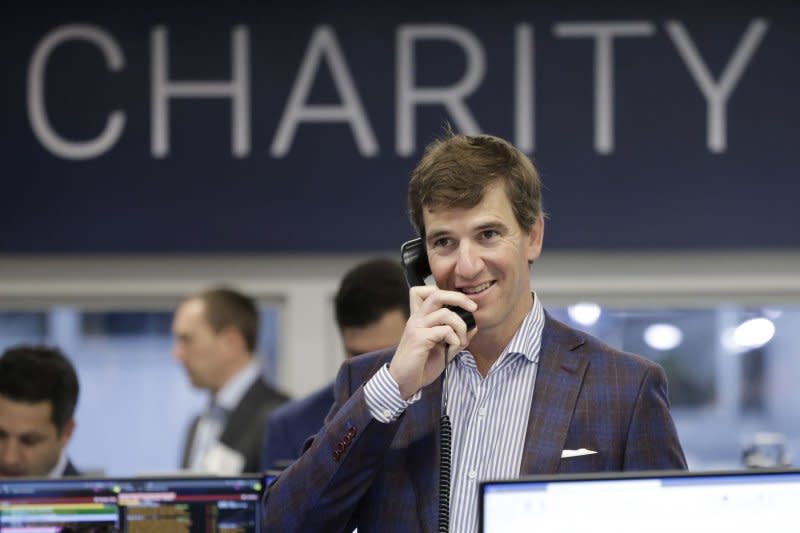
(445, 442)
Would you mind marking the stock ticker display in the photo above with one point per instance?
(134, 505)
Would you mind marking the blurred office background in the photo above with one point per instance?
(151, 152)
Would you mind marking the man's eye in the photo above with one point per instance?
(489, 234)
(30, 441)
(442, 242)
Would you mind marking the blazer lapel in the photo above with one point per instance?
(422, 429)
(189, 443)
(559, 378)
(241, 418)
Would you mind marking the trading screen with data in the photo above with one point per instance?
(135, 505)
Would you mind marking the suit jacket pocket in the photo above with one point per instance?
(582, 463)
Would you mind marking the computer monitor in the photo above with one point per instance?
(751, 501)
(56, 505)
(192, 505)
(163, 504)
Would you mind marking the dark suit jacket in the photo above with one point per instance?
(384, 477)
(290, 425)
(243, 429)
(70, 470)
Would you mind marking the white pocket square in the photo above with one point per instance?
(576, 453)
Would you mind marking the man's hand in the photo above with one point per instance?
(419, 356)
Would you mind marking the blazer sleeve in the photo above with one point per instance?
(321, 491)
(652, 442)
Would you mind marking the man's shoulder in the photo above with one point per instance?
(263, 391)
(582, 344)
(259, 400)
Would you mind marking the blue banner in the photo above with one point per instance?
(246, 127)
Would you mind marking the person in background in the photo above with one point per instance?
(215, 339)
(371, 307)
(38, 393)
(526, 393)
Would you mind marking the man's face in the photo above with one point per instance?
(382, 333)
(484, 253)
(197, 346)
(30, 444)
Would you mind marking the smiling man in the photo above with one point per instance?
(527, 394)
(38, 394)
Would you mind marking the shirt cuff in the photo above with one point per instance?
(382, 394)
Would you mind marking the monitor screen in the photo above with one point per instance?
(751, 501)
(56, 505)
(169, 504)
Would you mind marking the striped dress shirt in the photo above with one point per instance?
(489, 415)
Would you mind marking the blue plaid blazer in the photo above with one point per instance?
(383, 478)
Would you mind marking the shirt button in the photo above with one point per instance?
(387, 413)
(482, 412)
(472, 474)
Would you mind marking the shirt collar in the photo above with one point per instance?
(61, 465)
(229, 396)
(528, 338)
(527, 341)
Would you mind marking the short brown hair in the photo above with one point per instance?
(456, 171)
(34, 374)
(226, 307)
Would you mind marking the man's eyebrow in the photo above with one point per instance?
(495, 224)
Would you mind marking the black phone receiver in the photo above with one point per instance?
(414, 259)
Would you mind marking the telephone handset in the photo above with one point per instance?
(414, 259)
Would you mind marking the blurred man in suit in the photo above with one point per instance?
(38, 393)
(215, 340)
(371, 308)
(527, 394)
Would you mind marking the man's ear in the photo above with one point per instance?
(534, 239)
(232, 339)
(66, 433)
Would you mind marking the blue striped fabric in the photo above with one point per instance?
(490, 417)
(382, 394)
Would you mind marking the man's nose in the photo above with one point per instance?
(468, 261)
(9, 453)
